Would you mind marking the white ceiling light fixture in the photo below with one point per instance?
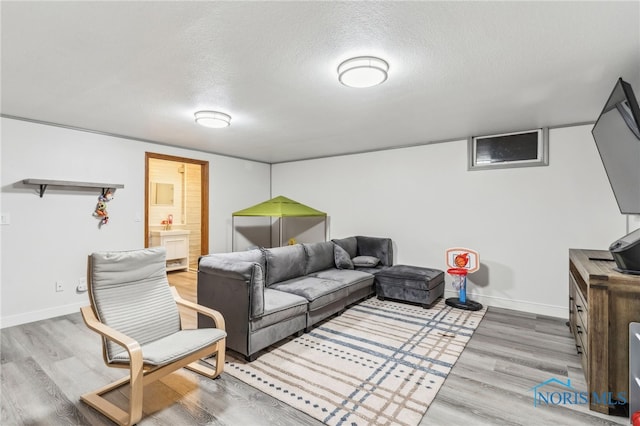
(363, 71)
(213, 119)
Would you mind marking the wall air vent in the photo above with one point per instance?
(506, 150)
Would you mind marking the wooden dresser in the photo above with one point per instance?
(602, 303)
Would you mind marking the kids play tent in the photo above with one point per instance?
(289, 220)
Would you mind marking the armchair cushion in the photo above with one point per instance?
(168, 349)
(130, 293)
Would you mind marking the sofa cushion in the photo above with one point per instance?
(284, 263)
(365, 261)
(355, 280)
(319, 256)
(350, 244)
(382, 248)
(373, 271)
(279, 306)
(341, 258)
(318, 291)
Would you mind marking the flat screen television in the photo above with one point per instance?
(617, 137)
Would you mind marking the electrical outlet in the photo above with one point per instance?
(5, 218)
(59, 286)
(82, 285)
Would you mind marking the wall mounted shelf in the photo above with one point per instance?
(45, 183)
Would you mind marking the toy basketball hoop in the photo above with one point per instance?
(458, 275)
(462, 261)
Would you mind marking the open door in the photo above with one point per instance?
(177, 188)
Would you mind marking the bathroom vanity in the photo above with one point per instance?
(176, 241)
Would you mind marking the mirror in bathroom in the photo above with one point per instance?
(162, 194)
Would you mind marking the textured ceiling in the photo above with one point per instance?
(141, 69)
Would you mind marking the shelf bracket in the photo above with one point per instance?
(43, 187)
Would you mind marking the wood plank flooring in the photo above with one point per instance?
(47, 365)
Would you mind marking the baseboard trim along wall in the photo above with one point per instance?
(498, 302)
(27, 317)
(516, 305)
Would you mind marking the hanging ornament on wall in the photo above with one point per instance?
(101, 208)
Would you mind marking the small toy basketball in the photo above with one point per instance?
(462, 261)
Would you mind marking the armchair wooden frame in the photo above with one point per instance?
(141, 374)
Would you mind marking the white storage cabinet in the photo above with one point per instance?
(176, 241)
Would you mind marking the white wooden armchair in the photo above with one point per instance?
(136, 313)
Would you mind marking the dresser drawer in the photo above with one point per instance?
(580, 307)
(584, 360)
(581, 312)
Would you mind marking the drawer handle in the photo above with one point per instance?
(579, 349)
(579, 308)
(579, 329)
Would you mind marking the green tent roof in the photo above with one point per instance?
(279, 207)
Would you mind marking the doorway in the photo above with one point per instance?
(177, 190)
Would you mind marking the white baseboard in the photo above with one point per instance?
(27, 317)
(498, 302)
(516, 305)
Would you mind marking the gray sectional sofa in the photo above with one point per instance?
(266, 295)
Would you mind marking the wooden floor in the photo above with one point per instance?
(47, 365)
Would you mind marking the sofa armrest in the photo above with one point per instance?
(382, 248)
(229, 268)
(220, 279)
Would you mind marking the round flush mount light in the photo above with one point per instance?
(213, 119)
(363, 71)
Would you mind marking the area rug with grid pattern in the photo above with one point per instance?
(378, 363)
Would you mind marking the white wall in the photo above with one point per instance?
(49, 238)
(522, 221)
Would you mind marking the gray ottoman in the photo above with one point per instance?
(410, 284)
